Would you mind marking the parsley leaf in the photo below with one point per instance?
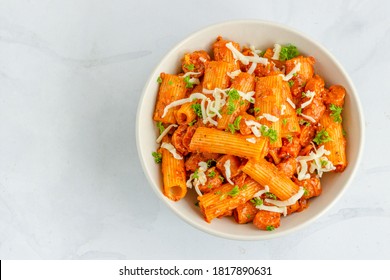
(270, 133)
(284, 121)
(212, 174)
(235, 191)
(290, 83)
(188, 83)
(262, 54)
(160, 127)
(221, 178)
(336, 113)
(192, 123)
(197, 109)
(190, 66)
(157, 157)
(271, 195)
(257, 201)
(289, 138)
(322, 137)
(231, 128)
(299, 111)
(270, 228)
(306, 193)
(288, 52)
(159, 80)
(170, 83)
(196, 174)
(233, 96)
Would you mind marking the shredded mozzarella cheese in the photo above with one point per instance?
(251, 140)
(263, 191)
(228, 172)
(276, 209)
(283, 110)
(291, 201)
(296, 68)
(165, 132)
(190, 73)
(270, 117)
(247, 96)
(308, 118)
(289, 101)
(245, 59)
(309, 94)
(200, 180)
(277, 49)
(171, 149)
(234, 73)
(314, 158)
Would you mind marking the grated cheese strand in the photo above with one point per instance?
(171, 149)
(228, 172)
(165, 132)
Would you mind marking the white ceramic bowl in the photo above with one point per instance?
(262, 34)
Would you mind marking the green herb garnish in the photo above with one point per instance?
(190, 66)
(299, 111)
(235, 191)
(336, 113)
(188, 83)
(159, 80)
(271, 195)
(160, 127)
(157, 157)
(257, 201)
(322, 137)
(212, 174)
(270, 133)
(288, 52)
(197, 109)
(270, 228)
(290, 83)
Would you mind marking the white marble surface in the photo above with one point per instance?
(71, 74)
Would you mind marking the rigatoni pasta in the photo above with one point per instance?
(250, 132)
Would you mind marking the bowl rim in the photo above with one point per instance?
(274, 234)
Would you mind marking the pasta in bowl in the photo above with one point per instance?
(250, 123)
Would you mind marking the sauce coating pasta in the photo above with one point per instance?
(250, 131)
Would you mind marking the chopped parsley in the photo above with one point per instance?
(289, 138)
(235, 125)
(192, 123)
(256, 109)
(270, 228)
(233, 96)
(189, 84)
(299, 111)
(322, 137)
(290, 83)
(159, 80)
(244, 187)
(160, 127)
(323, 162)
(157, 157)
(242, 102)
(306, 193)
(336, 113)
(190, 66)
(344, 132)
(196, 174)
(257, 201)
(270, 133)
(211, 174)
(248, 216)
(303, 94)
(284, 121)
(220, 177)
(270, 195)
(170, 83)
(288, 52)
(196, 204)
(235, 191)
(303, 122)
(197, 109)
(262, 54)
